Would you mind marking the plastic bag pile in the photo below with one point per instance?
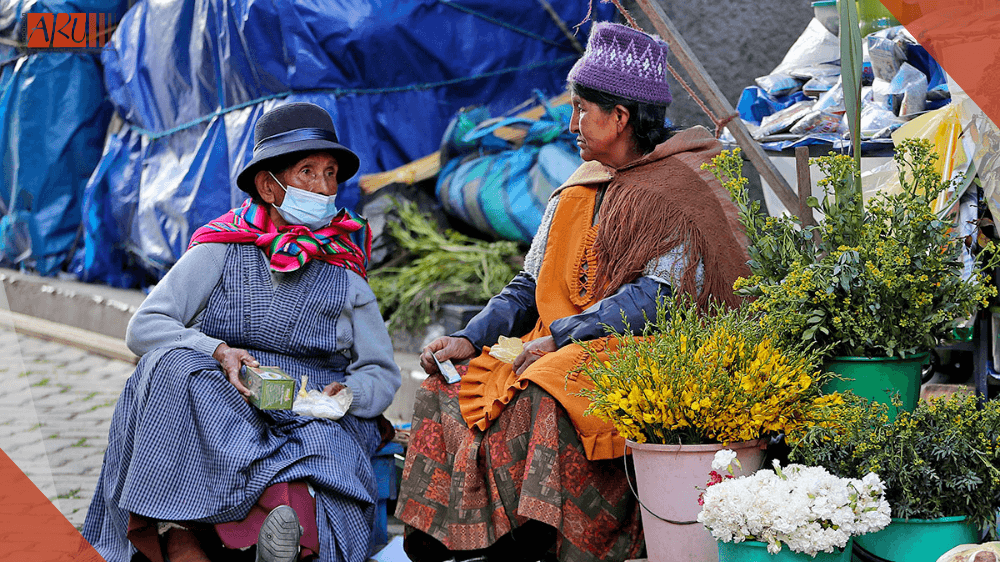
(802, 100)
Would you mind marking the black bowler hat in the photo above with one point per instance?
(295, 127)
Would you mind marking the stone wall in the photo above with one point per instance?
(735, 40)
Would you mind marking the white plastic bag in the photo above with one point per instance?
(815, 46)
(318, 405)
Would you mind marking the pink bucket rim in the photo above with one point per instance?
(756, 443)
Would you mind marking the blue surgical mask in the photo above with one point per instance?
(311, 210)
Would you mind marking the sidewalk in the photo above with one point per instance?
(54, 415)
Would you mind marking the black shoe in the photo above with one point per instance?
(279, 536)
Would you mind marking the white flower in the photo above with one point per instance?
(802, 507)
(723, 459)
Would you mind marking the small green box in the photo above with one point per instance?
(270, 387)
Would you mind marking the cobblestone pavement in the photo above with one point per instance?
(55, 410)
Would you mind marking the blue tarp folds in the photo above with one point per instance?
(191, 78)
(54, 117)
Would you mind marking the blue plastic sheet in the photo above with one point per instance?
(191, 78)
(53, 121)
(756, 104)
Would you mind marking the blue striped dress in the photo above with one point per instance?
(185, 446)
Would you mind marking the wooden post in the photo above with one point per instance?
(717, 102)
(805, 185)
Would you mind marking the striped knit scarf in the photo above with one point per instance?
(346, 241)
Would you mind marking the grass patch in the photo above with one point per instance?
(107, 403)
(73, 494)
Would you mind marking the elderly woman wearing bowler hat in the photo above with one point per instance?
(505, 465)
(193, 471)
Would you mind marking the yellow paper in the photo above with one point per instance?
(944, 129)
(507, 349)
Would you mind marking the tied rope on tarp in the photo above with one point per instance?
(171, 166)
(341, 92)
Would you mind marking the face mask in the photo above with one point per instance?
(311, 210)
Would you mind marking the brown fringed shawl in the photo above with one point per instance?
(660, 202)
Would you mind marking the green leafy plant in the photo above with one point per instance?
(882, 279)
(439, 266)
(941, 460)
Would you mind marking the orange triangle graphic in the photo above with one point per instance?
(31, 528)
(963, 36)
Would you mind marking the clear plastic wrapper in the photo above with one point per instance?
(816, 123)
(815, 46)
(819, 85)
(885, 54)
(908, 91)
(783, 120)
(832, 101)
(874, 119)
(881, 94)
(778, 85)
(815, 71)
(318, 405)
(507, 349)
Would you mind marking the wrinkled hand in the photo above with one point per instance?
(445, 348)
(333, 388)
(532, 351)
(232, 359)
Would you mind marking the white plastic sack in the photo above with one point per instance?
(318, 405)
(815, 46)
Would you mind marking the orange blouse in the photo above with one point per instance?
(565, 286)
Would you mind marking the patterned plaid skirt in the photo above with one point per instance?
(467, 488)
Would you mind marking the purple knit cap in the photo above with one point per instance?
(626, 62)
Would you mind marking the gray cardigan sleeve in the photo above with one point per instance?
(373, 375)
(170, 314)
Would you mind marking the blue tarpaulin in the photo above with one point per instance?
(191, 78)
(54, 116)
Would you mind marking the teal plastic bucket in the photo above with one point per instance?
(753, 551)
(919, 540)
(878, 379)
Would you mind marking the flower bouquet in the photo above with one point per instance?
(695, 378)
(694, 382)
(802, 507)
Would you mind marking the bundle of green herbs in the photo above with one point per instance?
(437, 266)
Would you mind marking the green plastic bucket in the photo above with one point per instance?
(919, 540)
(753, 551)
(878, 378)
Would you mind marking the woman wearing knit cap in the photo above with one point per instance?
(505, 465)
